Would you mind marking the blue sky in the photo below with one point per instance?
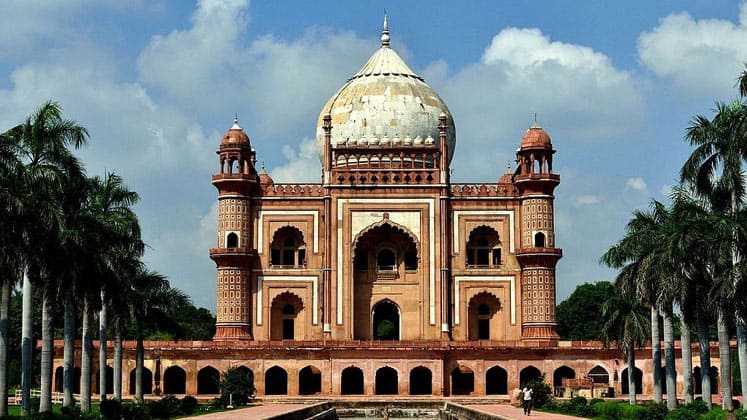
(157, 83)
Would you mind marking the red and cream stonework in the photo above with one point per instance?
(386, 277)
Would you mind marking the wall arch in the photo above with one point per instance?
(276, 381)
(387, 381)
(351, 381)
(174, 380)
(208, 381)
(421, 381)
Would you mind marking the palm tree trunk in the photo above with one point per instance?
(45, 398)
(139, 361)
(68, 356)
(4, 329)
(85, 362)
(725, 361)
(631, 377)
(656, 353)
(27, 339)
(742, 352)
(671, 372)
(687, 360)
(102, 349)
(704, 347)
(118, 365)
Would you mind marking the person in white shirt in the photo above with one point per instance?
(526, 400)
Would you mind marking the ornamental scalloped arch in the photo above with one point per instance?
(288, 295)
(485, 294)
(288, 228)
(392, 224)
(482, 228)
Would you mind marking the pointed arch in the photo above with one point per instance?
(285, 312)
(174, 380)
(386, 318)
(563, 372)
(208, 381)
(288, 247)
(421, 381)
(387, 223)
(496, 381)
(387, 381)
(351, 381)
(483, 248)
(482, 322)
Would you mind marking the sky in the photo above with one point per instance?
(158, 82)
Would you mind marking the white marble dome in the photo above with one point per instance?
(385, 98)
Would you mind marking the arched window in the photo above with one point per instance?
(483, 322)
(483, 248)
(386, 260)
(147, 381)
(528, 374)
(288, 248)
(539, 240)
(421, 380)
(232, 240)
(289, 318)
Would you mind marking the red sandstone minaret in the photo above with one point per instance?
(537, 253)
(236, 183)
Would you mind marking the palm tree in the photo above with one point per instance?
(151, 297)
(640, 254)
(627, 326)
(113, 202)
(715, 168)
(41, 145)
(10, 251)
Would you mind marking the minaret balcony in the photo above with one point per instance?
(232, 256)
(541, 256)
(233, 177)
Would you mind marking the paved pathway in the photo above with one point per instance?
(257, 412)
(511, 412)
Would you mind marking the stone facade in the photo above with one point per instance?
(386, 277)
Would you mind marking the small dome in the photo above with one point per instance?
(535, 138)
(264, 178)
(235, 135)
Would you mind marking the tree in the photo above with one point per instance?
(639, 254)
(236, 385)
(627, 326)
(580, 316)
(150, 297)
(715, 168)
(41, 145)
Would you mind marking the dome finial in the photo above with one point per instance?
(535, 124)
(236, 122)
(385, 32)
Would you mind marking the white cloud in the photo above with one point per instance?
(699, 56)
(636, 184)
(585, 200)
(302, 166)
(575, 91)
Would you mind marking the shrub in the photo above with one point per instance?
(134, 411)
(167, 407)
(609, 410)
(683, 413)
(237, 383)
(541, 392)
(111, 409)
(655, 411)
(717, 413)
(189, 404)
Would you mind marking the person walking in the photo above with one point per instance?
(526, 400)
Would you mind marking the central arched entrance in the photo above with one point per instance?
(386, 381)
(386, 321)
